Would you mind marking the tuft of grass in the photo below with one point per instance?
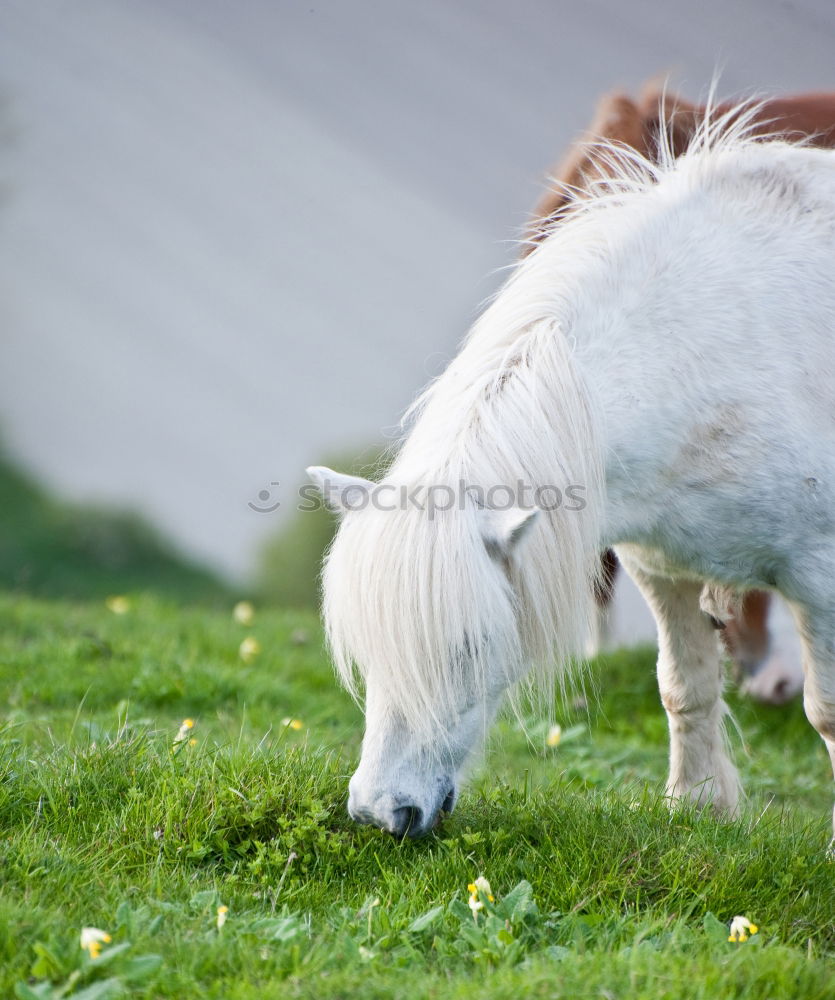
(110, 821)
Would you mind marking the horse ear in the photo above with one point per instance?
(504, 530)
(340, 492)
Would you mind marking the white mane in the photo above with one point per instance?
(416, 602)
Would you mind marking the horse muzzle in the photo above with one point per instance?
(399, 814)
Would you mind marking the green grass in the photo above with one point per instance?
(601, 891)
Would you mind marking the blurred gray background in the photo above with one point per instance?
(236, 238)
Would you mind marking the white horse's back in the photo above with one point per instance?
(709, 345)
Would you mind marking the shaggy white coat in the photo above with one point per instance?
(670, 347)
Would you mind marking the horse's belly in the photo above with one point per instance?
(754, 530)
(733, 568)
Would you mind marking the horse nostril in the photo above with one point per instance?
(406, 820)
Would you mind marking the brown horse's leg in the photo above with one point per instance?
(746, 636)
(763, 669)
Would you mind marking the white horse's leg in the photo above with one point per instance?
(817, 635)
(690, 681)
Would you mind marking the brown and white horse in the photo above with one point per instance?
(768, 671)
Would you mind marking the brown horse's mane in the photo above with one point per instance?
(639, 124)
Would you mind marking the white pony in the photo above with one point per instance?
(665, 358)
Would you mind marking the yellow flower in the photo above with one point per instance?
(183, 732)
(92, 939)
(741, 927)
(221, 916)
(483, 888)
(192, 742)
(249, 649)
(292, 723)
(117, 604)
(554, 736)
(479, 891)
(243, 613)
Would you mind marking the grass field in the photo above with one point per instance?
(599, 890)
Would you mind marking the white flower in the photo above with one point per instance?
(118, 604)
(243, 613)
(741, 928)
(483, 888)
(222, 912)
(479, 888)
(92, 939)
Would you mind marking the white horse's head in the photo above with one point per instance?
(419, 604)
